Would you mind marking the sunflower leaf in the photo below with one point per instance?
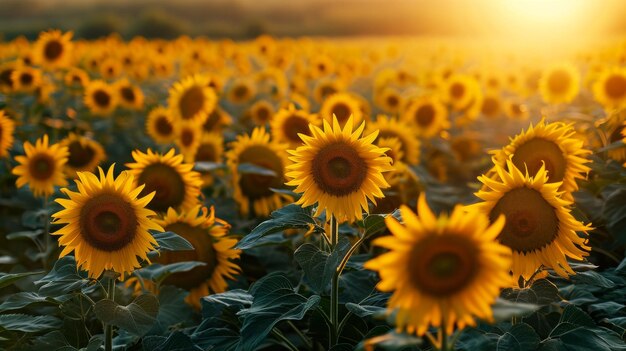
(171, 241)
(205, 166)
(251, 168)
(63, 278)
(137, 318)
(24, 299)
(29, 324)
(7, 279)
(319, 266)
(158, 272)
(520, 337)
(503, 310)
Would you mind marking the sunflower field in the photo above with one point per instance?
(311, 194)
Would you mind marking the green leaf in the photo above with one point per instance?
(213, 304)
(172, 307)
(574, 315)
(29, 324)
(7, 279)
(615, 213)
(23, 299)
(251, 168)
(520, 337)
(504, 310)
(62, 279)
(289, 217)
(137, 317)
(375, 223)
(592, 278)
(36, 218)
(158, 272)
(319, 266)
(541, 292)
(177, 341)
(274, 300)
(205, 166)
(28, 234)
(171, 241)
(375, 304)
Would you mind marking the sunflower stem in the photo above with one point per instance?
(46, 233)
(334, 284)
(108, 329)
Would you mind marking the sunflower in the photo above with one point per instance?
(110, 68)
(84, 154)
(217, 120)
(241, 90)
(6, 71)
(516, 109)
(553, 146)
(394, 151)
(326, 88)
(258, 150)
(320, 66)
(540, 230)
(106, 223)
(161, 127)
(288, 123)
(559, 83)
(76, 77)
(443, 270)
(389, 100)
(616, 127)
(211, 148)
(339, 170)
(130, 95)
(460, 90)
(491, 106)
(343, 106)
(188, 140)
(191, 99)
(261, 112)
(175, 184)
(428, 115)
(395, 128)
(53, 49)
(610, 88)
(100, 97)
(7, 127)
(212, 246)
(42, 167)
(26, 79)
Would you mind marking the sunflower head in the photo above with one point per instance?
(76, 77)
(42, 167)
(428, 115)
(610, 88)
(343, 106)
(192, 100)
(188, 139)
(26, 79)
(389, 100)
(491, 106)
(84, 154)
(106, 223)
(130, 95)
(261, 112)
(161, 126)
(540, 230)
(339, 170)
(7, 127)
(100, 97)
(289, 123)
(53, 49)
(559, 83)
(403, 131)
(217, 120)
(242, 90)
(445, 268)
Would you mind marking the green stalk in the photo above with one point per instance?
(108, 329)
(334, 285)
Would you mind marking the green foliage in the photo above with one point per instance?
(138, 317)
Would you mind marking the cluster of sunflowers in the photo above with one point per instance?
(345, 130)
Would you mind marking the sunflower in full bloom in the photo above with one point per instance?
(130, 95)
(610, 88)
(106, 223)
(342, 105)
(6, 71)
(42, 167)
(212, 246)
(84, 154)
(460, 90)
(175, 184)
(389, 100)
(261, 112)
(76, 77)
(516, 109)
(217, 120)
(53, 49)
(396, 128)
(258, 150)
(188, 139)
(559, 83)
(100, 97)
(192, 99)
(161, 126)
(326, 88)
(7, 127)
(441, 270)
(428, 114)
(339, 170)
(553, 146)
(288, 123)
(211, 149)
(540, 230)
(26, 79)
(241, 90)
(491, 106)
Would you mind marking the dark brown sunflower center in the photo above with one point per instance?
(52, 50)
(212, 121)
(263, 114)
(295, 125)
(338, 169)
(102, 98)
(393, 101)
(256, 186)
(615, 86)
(163, 126)
(531, 222)
(5, 77)
(443, 265)
(425, 115)
(241, 91)
(108, 222)
(517, 109)
(207, 153)
(191, 102)
(168, 184)
(41, 167)
(559, 81)
(80, 155)
(26, 79)
(457, 90)
(128, 94)
(536, 151)
(490, 107)
(327, 90)
(187, 137)
(342, 111)
(203, 252)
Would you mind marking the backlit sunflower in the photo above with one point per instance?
(342, 105)
(616, 127)
(459, 90)
(85, 154)
(217, 120)
(161, 127)
(110, 68)
(339, 170)
(76, 77)
(261, 112)
(241, 90)
(491, 106)
(130, 95)
(175, 184)
(396, 128)
(540, 230)
(326, 88)
(395, 153)
(42, 167)
(610, 88)
(6, 82)
(26, 79)
(192, 99)
(252, 188)
(106, 223)
(428, 115)
(289, 122)
(559, 83)
(389, 100)
(441, 270)
(188, 139)
(212, 246)
(554, 146)
(516, 109)
(100, 97)
(7, 127)
(53, 49)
